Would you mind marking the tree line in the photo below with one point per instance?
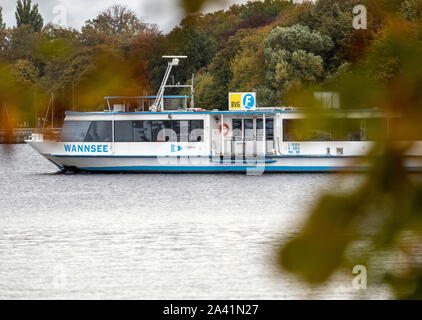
(273, 47)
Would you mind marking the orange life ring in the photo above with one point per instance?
(226, 129)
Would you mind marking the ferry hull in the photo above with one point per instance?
(256, 166)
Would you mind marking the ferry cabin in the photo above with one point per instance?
(263, 140)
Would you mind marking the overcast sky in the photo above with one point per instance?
(165, 13)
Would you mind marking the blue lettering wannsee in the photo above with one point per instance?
(86, 148)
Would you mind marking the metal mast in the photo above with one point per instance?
(158, 105)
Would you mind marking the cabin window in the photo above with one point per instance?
(333, 129)
(99, 131)
(159, 131)
(237, 129)
(249, 131)
(301, 130)
(74, 131)
(196, 130)
(123, 131)
(162, 131)
(181, 128)
(347, 130)
(141, 131)
(269, 129)
(259, 129)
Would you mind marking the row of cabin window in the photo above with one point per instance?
(333, 129)
(249, 132)
(159, 131)
(133, 131)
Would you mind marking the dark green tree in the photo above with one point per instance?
(2, 25)
(26, 14)
(3, 34)
(220, 69)
(181, 41)
(294, 57)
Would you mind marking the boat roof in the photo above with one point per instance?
(216, 112)
(143, 97)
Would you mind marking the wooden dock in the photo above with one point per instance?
(19, 135)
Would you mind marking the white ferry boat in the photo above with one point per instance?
(121, 139)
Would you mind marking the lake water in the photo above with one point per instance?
(154, 236)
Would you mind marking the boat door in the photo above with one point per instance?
(248, 135)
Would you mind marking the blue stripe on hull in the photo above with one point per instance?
(204, 157)
(221, 169)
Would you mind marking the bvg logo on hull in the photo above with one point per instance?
(175, 148)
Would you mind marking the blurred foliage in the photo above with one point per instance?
(382, 218)
(411, 10)
(192, 6)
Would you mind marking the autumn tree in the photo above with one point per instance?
(56, 48)
(26, 14)
(117, 21)
(263, 8)
(25, 72)
(250, 23)
(204, 94)
(217, 25)
(22, 43)
(138, 56)
(248, 66)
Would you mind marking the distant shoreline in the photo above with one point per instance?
(19, 135)
(15, 136)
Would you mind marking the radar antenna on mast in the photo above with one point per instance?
(158, 105)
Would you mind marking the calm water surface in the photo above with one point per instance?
(153, 236)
